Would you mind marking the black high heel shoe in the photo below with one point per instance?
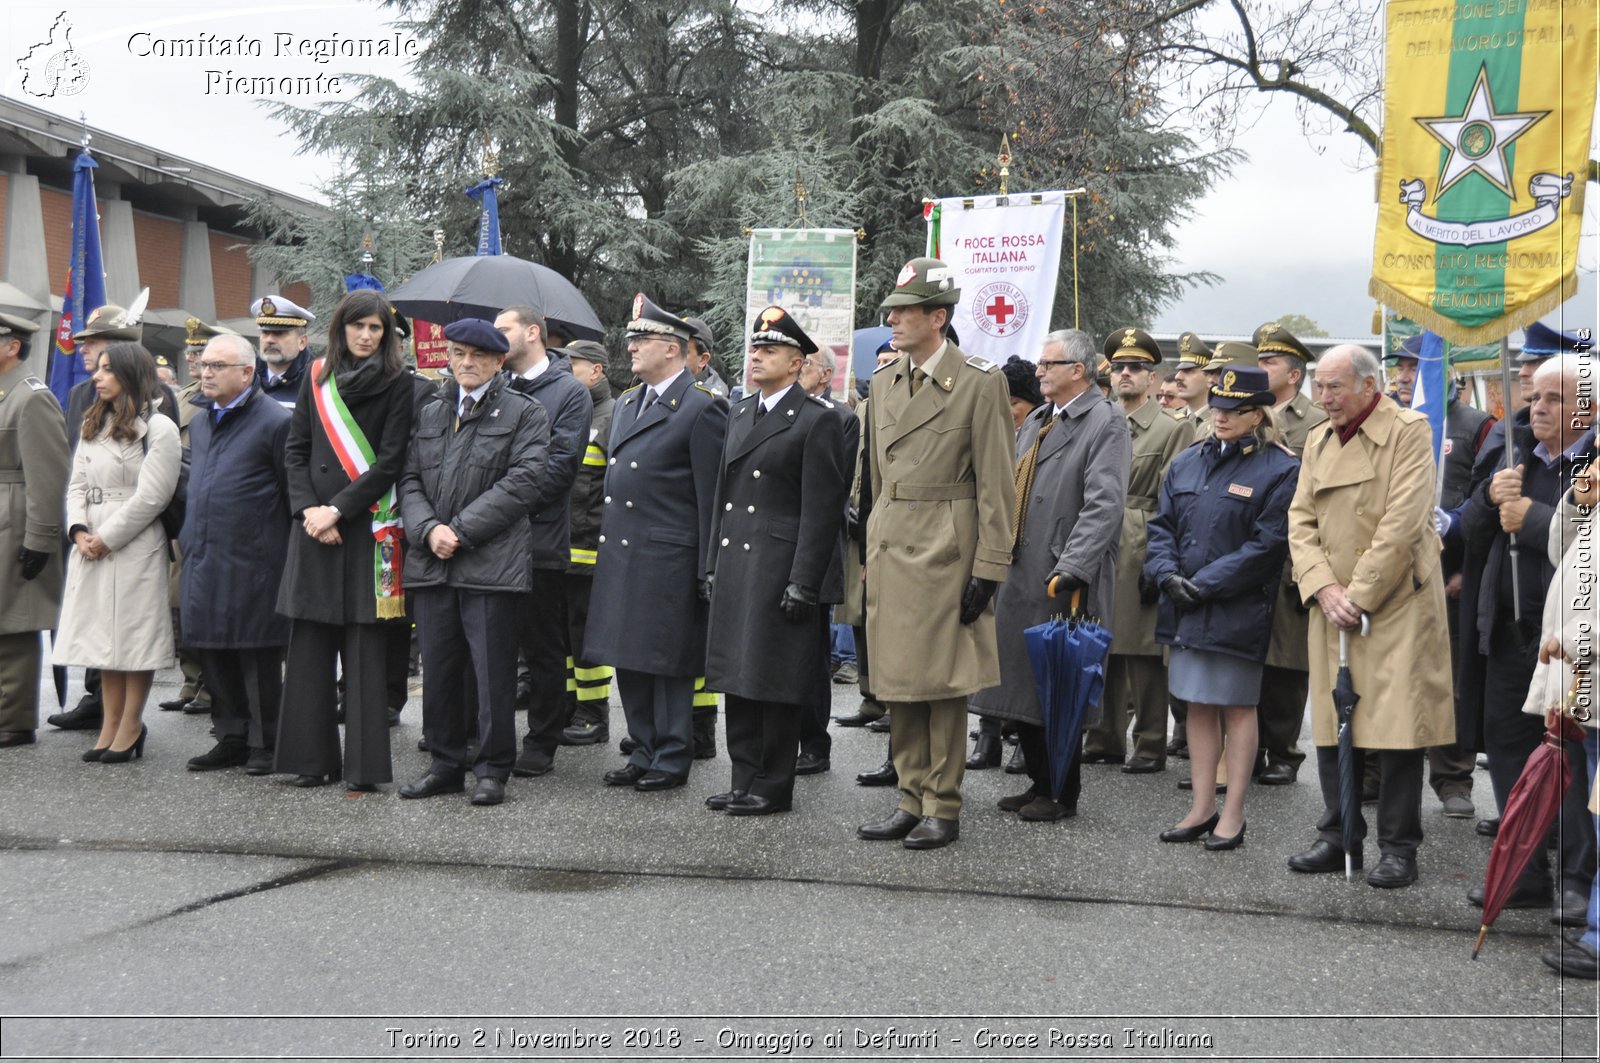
(308, 781)
(92, 755)
(1191, 834)
(122, 756)
(1216, 844)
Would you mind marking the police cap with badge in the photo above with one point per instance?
(775, 328)
(1132, 345)
(274, 313)
(923, 282)
(1540, 341)
(650, 320)
(1240, 386)
(1192, 351)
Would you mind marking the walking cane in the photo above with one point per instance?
(1511, 462)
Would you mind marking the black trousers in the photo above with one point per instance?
(659, 710)
(1280, 713)
(246, 688)
(462, 632)
(397, 659)
(763, 738)
(589, 684)
(308, 728)
(1511, 735)
(1037, 755)
(543, 628)
(818, 709)
(1399, 798)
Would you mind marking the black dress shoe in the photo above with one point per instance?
(626, 775)
(360, 787)
(259, 762)
(306, 782)
(627, 745)
(1393, 872)
(1571, 908)
(175, 705)
(422, 745)
(1178, 746)
(224, 754)
(1017, 802)
(489, 791)
(985, 753)
(1018, 764)
(897, 826)
(1574, 959)
(1279, 774)
(878, 726)
(432, 785)
(1104, 758)
(857, 719)
(755, 805)
(811, 764)
(1523, 897)
(653, 781)
(197, 707)
(586, 734)
(532, 763)
(394, 717)
(932, 833)
(1143, 766)
(84, 716)
(720, 802)
(1217, 843)
(1044, 810)
(1487, 827)
(1190, 834)
(1323, 857)
(883, 775)
(9, 739)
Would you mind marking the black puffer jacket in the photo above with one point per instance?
(479, 479)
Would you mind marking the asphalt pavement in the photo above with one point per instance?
(151, 912)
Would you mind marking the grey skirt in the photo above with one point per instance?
(1212, 678)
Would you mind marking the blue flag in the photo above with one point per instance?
(1431, 394)
(86, 281)
(354, 282)
(489, 217)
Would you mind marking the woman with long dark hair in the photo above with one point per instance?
(114, 616)
(346, 448)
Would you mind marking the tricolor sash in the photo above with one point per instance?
(356, 457)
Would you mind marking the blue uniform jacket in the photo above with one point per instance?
(1224, 523)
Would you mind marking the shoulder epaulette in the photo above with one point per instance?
(35, 383)
(981, 363)
(1280, 445)
(820, 401)
(630, 391)
(886, 365)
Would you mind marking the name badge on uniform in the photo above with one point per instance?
(1241, 490)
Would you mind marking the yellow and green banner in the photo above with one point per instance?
(1487, 117)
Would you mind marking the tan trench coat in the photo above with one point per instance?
(116, 615)
(33, 479)
(1157, 439)
(1287, 648)
(943, 493)
(1362, 517)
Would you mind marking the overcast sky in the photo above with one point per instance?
(1290, 231)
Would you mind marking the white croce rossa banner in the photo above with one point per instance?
(1005, 251)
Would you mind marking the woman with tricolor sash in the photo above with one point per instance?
(346, 448)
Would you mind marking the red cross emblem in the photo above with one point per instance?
(1000, 310)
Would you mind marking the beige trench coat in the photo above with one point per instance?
(33, 478)
(1157, 439)
(943, 493)
(1362, 517)
(116, 615)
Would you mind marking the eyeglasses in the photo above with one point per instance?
(1045, 363)
(217, 367)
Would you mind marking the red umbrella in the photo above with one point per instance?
(1525, 821)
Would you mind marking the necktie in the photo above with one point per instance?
(216, 415)
(761, 411)
(917, 377)
(649, 400)
(1025, 471)
(467, 405)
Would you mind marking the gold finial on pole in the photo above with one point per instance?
(800, 191)
(1004, 159)
(491, 161)
(438, 245)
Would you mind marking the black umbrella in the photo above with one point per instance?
(484, 285)
(1344, 705)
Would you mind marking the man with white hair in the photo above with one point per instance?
(1500, 631)
(1362, 540)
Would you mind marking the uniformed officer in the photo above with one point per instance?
(647, 615)
(774, 540)
(1136, 678)
(33, 483)
(1281, 711)
(588, 682)
(1193, 357)
(285, 352)
(701, 342)
(939, 542)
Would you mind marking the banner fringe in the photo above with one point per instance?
(1490, 332)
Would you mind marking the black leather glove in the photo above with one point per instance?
(1065, 583)
(1182, 591)
(799, 603)
(853, 526)
(705, 590)
(1149, 593)
(32, 562)
(977, 595)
